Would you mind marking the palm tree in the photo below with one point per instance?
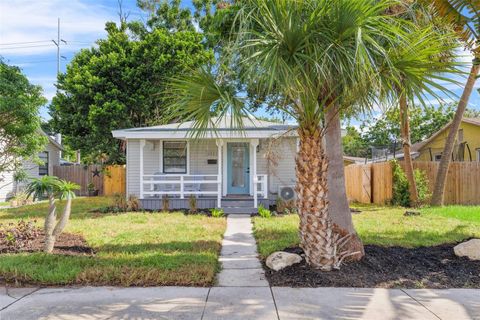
(50, 187)
(465, 17)
(420, 61)
(320, 57)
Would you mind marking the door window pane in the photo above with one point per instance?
(238, 165)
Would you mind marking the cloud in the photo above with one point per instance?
(29, 26)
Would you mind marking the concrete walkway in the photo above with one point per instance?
(241, 293)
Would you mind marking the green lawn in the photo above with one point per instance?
(132, 248)
(385, 226)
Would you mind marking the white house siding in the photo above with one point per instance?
(281, 171)
(8, 186)
(200, 151)
(133, 167)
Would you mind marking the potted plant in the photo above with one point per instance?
(92, 192)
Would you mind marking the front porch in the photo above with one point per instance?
(219, 173)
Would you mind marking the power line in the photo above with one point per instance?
(26, 47)
(27, 42)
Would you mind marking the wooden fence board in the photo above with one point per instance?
(462, 187)
(81, 175)
(114, 180)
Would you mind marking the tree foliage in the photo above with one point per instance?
(117, 84)
(20, 102)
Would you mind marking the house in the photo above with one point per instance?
(50, 157)
(467, 145)
(226, 168)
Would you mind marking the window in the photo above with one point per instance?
(478, 154)
(43, 168)
(174, 157)
(438, 157)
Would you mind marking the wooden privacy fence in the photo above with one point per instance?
(82, 175)
(114, 180)
(107, 180)
(373, 183)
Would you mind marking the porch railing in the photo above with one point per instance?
(185, 185)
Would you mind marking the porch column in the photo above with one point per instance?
(142, 144)
(219, 174)
(254, 144)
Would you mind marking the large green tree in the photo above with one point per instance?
(321, 57)
(117, 84)
(20, 103)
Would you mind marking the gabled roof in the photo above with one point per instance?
(417, 146)
(51, 140)
(223, 127)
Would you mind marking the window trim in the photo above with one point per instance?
(478, 154)
(187, 159)
(46, 164)
(435, 157)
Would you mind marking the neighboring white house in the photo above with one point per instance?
(226, 167)
(50, 157)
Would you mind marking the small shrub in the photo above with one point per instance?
(165, 203)
(217, 213)
(285, 207)
(133, 203)
(401, 194)
(192, 203)
(423, 190)
(120, 202)
(17, 236)
(263, 212)
(21, 199)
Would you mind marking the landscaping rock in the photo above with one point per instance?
(470, 249)
(280, 259)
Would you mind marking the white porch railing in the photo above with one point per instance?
(260, 187)
(181, 185)
(186, 185)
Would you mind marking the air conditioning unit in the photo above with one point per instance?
(286, 193)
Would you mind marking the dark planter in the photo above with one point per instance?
(92, 193)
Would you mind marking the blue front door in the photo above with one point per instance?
(238, 168)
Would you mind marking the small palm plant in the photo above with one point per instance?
(52, 187)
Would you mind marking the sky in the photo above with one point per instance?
(27, 28)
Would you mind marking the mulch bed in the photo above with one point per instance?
(387, 267)
(66, 244)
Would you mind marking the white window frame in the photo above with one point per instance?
(478, 154)
(187, 157)
(46, 164)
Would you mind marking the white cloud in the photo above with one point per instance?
(31, 21)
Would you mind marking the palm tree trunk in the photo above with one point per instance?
(405, 132)
(50, 224)
(322, 241)
(439, 188)
(339, 209)
(64, 218)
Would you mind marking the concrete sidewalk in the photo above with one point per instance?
(242, 292)
(252, 303)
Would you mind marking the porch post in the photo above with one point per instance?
(219, 174)
(254, 144)
(142, 144)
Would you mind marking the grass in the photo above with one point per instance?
(133, 248)
(384, 226)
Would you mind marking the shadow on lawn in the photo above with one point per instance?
(416, 238)
(168, 247)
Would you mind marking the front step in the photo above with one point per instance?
(248, 203)
(236, 210)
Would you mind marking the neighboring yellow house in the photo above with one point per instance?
(467, 145)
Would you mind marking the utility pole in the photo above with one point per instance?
(57, 43)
